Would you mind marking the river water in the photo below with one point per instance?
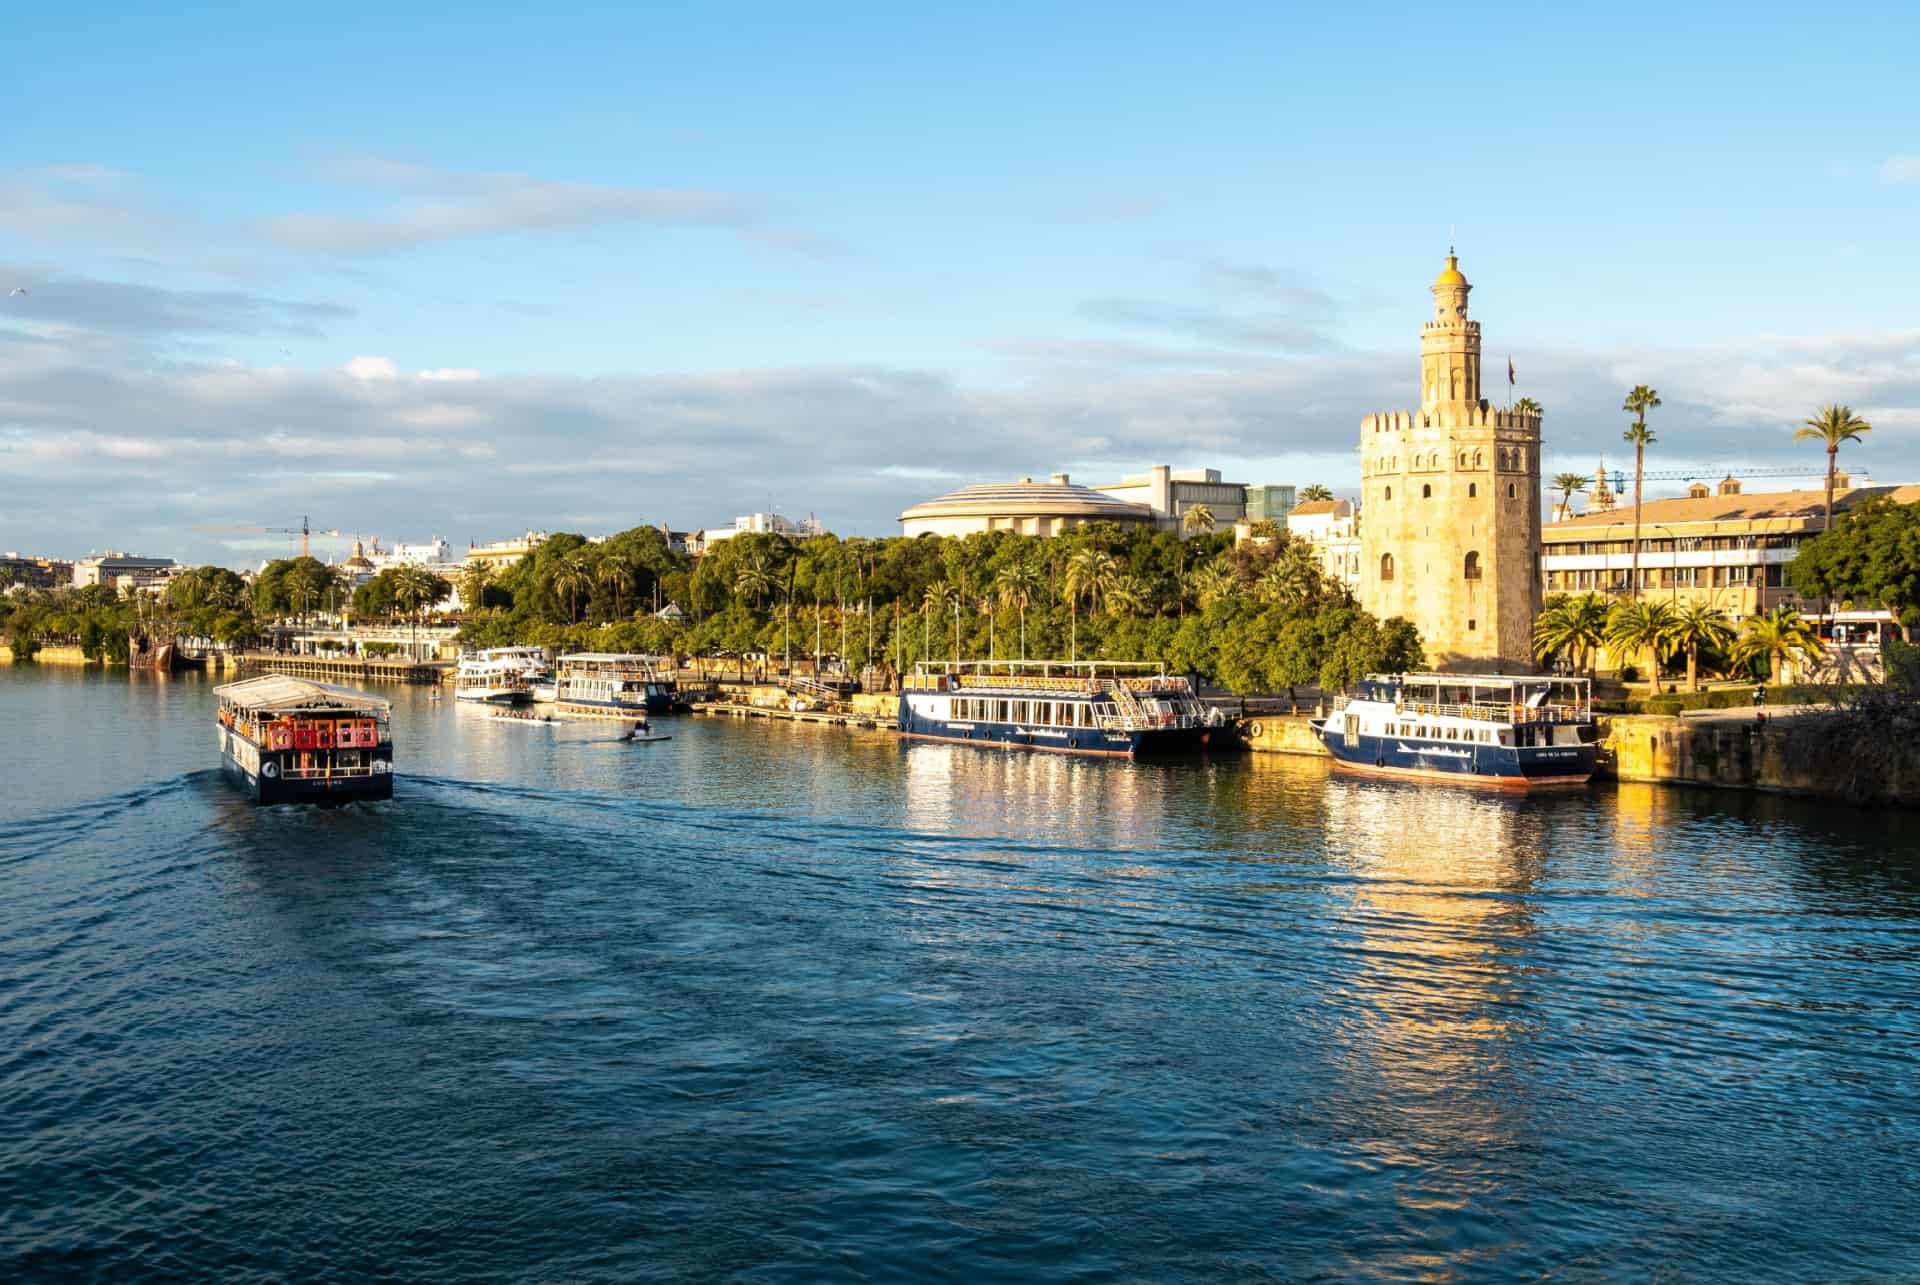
(792, 1003)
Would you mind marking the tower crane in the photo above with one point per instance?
(1619, 479)
(305, 531)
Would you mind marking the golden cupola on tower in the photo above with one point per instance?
(1450, 518)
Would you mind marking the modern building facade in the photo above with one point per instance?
(760, 524)
(1025, 507)
(1170, 494)
(1719, 548)
(1270, 503)
(1452, 495)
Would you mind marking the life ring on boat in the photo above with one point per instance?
(1254, 729)
(269, 769)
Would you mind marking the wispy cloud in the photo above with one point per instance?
(1295, 330)
(1902, 167)
(119, 307)
(429, 204)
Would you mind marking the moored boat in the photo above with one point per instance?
(1111, 709)
(1520, 732)
(494, 680)
(291, 740)
(615, 683)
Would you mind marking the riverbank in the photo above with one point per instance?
(1728, 751)
(54, 656)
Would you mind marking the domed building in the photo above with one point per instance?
(1025, 507)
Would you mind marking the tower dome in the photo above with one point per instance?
(1451, 274)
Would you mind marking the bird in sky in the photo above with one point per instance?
(16, 290)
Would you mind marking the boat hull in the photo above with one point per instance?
(489, 696)
(1501, 766)
(1171, 742)
(260, 787)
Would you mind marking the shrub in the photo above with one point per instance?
(1629, 673)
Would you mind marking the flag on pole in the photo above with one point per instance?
(1509, 372)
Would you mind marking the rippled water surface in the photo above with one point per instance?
(797, 1003)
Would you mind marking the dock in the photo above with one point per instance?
(836, 718)
(345, 669)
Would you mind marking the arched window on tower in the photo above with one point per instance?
(1426, 492)
(1479, 460)
(1389, 493)
(1386, 567)
(1473, 489)
(1473, 566)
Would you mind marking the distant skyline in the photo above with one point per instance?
(469, 274)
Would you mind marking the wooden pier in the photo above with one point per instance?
(345, 669)
(831, 717)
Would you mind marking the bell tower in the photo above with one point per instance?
(1449, 343)
(1450, 523)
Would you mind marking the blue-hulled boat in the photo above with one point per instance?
(1105, 708)
(1487, 729)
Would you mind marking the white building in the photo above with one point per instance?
(1332, 529)
(1170, 494)
(123, 571)
(758, 524)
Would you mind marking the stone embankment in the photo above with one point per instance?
(51, 656)
(1725, 751)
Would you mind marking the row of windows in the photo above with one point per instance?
(1508, 459)
(1479, 735)
(1616, 580)
(1687, 544)
(1473, 491)
(1469, 569)
(967, 709)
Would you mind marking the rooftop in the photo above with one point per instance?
(1312, 507)
(1056, 497)
(1761, 506)
(282, 692)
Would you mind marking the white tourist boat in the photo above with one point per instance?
(491, 681)
(541, 684)
(1488, 729)
(617, 684)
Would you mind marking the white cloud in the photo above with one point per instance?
(372, 368)
(1902, 167)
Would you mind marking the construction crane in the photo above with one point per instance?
(1618, 479)
(305, 531)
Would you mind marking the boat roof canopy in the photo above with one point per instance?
(1489, 681)
(283, 693)
(1036, 666)
(610, 657)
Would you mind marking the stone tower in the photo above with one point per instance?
(1450, 525)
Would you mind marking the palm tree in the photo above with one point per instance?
(1574, 627)
(1291, 579)
(1210, 583)
(1315, 492)
(1528, 406)
(1693, 627)
(1567, 484)
(1016, 585)
(1090, 573)
(1641, 400)
(413, 588)
(1834, 425)
(1197, 520)
(474, 579)
(754, 578)
(573, 580)
(1776, 637)
(1127, 595)
(1640, 626)
(615, 574)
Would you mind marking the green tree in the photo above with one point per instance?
(475, 579)
(1775, 638)
(1528, 406)
(1833, 425)
(572, 581)
(1128, 595)
(1017, 584)
(1692, 628)
(1574, 627)
(1641, 400)
(1197, 520)
(1211, 583)
(1873, 556)
(1567, 484)
(614, 573)
(414, 590)
(754, 578)
(1640, 627)
(1091, 572)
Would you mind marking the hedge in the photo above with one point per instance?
(1727, 698)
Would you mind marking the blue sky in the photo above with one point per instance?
(509, 267)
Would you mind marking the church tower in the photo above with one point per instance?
(1450, 518)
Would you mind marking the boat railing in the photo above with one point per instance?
(324, 772)
(1486, 712)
